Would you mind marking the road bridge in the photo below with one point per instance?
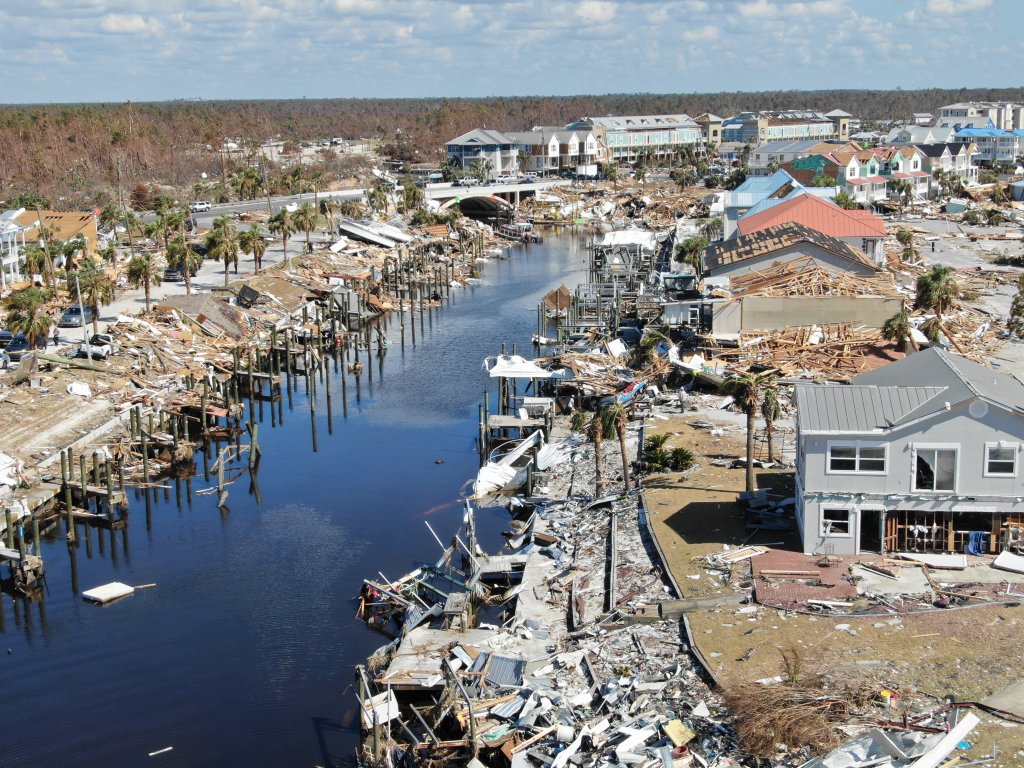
(490, 198)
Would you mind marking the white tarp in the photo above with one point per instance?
(514, 367)
(645, 239)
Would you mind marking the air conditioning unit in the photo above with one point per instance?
(1011, 539)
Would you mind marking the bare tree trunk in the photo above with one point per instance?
(620, 427)
(750, 449)
(596, 430)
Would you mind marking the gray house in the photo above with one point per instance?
(921, 455)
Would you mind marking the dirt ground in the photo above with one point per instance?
(967, 653)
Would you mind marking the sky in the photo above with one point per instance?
(144, 50)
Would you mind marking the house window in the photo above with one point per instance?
(935, 469)
(856, 457)
(868, 246)
(1001, 459)
(835, 522)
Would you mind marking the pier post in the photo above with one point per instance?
(68, 507)
(9, 531)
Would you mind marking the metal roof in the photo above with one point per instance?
(821, 215)
(637, 122)
(836, 408)
(961, 378)
(482, 136)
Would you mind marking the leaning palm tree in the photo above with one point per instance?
(281, 224)
(899, 328)
(251, 241)
(144, 272)
(97, 287)
(25, 314)
(305, 219)
(747, 390)
(222, 244)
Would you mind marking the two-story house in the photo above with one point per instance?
(905, 164)
(953, 158)
(994, 145)
(856, 173)
(493, 149)
(921, 455)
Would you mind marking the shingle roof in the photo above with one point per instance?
(772, 239)
(854, 408)
(817, 214)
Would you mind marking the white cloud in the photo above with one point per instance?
(707, 32)
(759, 9)
(955, 7)
(596, 11)
(129, 24)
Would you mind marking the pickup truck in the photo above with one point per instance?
(100, 346)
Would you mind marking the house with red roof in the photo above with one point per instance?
(861, 229)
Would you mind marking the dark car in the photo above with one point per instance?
(72, 317)
(18, 347)
(173, 275)
(6, 337)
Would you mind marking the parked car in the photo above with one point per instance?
(466, 181)
(99, 347)
(200, 206)
(18, 347)
(72, 317)
(173, 275)
(504, 180)
(6, 337)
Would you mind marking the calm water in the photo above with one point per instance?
(243, 654)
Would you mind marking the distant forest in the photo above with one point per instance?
(77, 154)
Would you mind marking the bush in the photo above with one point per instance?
(681, 459)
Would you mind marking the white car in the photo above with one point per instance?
(200, 206)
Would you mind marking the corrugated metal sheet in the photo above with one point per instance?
(499, 670)
(857, 409)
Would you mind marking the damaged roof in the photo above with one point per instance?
(821, 215)
(776, 238)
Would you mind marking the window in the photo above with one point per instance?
(835, 522)
(935, 469)
(1001, 460)
(856, 457)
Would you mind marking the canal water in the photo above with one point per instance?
(243, 652)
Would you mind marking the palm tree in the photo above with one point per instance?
(251, 241)
(938, 292)
(376, 198)
(771, 411)
(846, 201)
(411, 197)
(1015, 322)
(281, 224)
(597, 434)
(35, 259)
(328, 207)
(899, 328)
(222, 244)
(180, 256)
(144, 272)
(611, 172)
(305, 219)
(25, 314)
(906, 239)
(902, 189)
(619, 418)
(97, 287)
(690, 250)
(746, 389)
(711, 228)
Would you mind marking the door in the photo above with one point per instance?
(870, 538)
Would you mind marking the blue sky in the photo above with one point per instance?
(140, 50)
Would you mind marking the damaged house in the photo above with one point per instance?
(921, 455)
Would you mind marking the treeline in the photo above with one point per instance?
(79, 155)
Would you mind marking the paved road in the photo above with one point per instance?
(206, 218)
